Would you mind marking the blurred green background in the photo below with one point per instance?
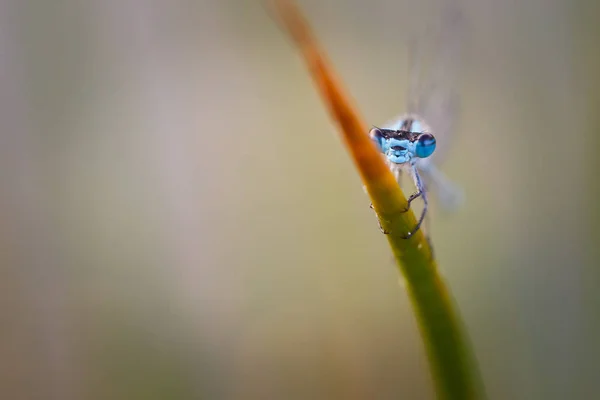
(180, 221)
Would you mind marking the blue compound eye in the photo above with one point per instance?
(378, 137)
(425, 145)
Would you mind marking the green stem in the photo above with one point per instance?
(453, 365)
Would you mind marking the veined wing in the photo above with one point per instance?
(436, 58)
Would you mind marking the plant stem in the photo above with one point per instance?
(451, 360)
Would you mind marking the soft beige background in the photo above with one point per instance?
(178, 219)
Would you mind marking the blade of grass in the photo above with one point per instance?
(452, 363)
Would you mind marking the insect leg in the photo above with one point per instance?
(418, 184)
(420, 193)
(426, 230)
(379, 221)
(397, 171)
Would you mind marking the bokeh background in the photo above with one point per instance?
(179, 220)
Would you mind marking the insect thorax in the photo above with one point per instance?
(412, 123)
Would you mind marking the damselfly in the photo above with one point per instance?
(415, 141)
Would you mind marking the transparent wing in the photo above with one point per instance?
(436, 56)
(414, 57)
(416, 48)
